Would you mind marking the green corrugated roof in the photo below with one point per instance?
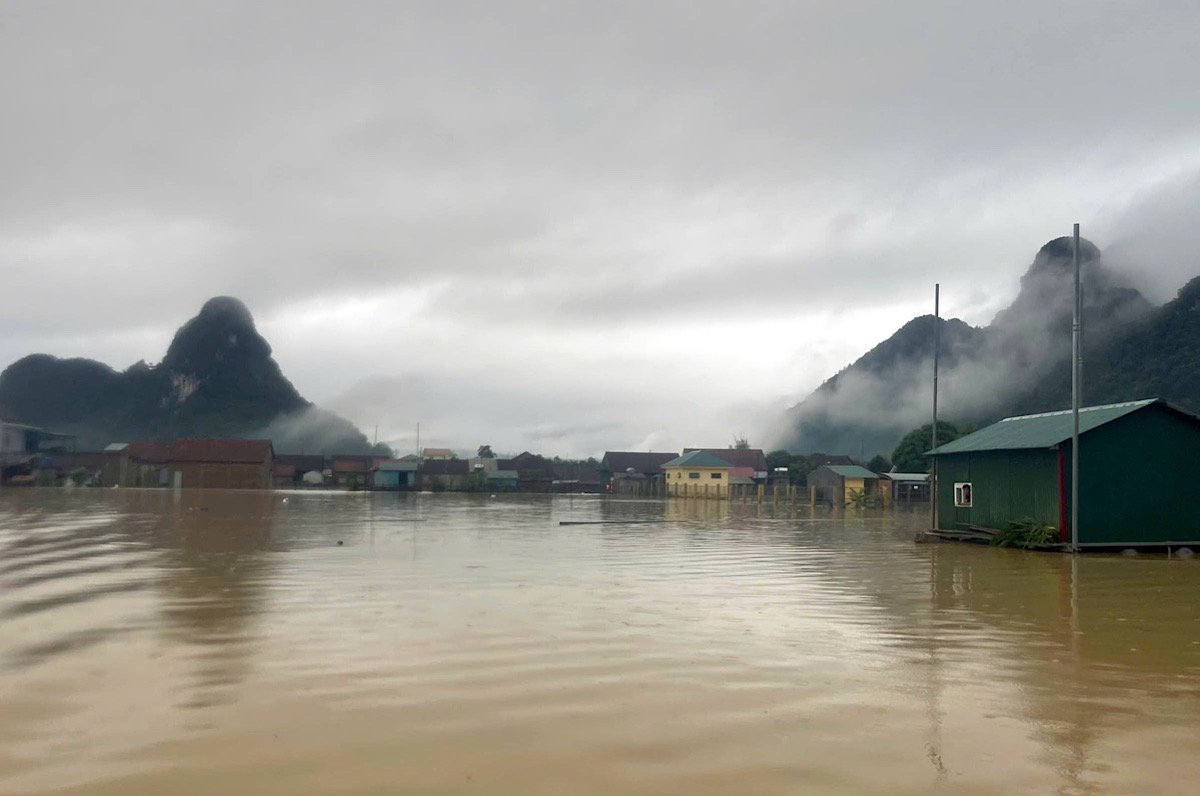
(851, 471)
(697, 459)
(1039, 431)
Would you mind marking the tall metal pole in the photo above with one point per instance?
(937, 331)
(1075, 389)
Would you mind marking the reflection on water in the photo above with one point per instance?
(225, 642)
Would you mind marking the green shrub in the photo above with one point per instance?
(1026, 533)
(860, 499)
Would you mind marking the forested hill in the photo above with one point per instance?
(1020, 363)
(217, 379)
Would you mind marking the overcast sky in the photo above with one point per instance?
(575, 226)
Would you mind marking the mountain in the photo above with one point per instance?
(217, 379)
(1020, 363)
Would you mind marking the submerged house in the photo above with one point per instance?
(439, 474)
(747, 462)
(352, 471)
(834, 482)
(221, 463)
(502, 480)
(291, 469)
(535, 472)
(393, 474)
(906, 487)
(698, 474)
(1136, 485)
(21, 446)
(627, 471)
(572, 477)
(136, 464)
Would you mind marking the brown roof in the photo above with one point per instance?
(533, 462)
(583, 473)
(445, 467)
(152, 452)
(746, 457)
(352, 464)
(639, 461)
(283, 470)
(235, 451)
(819, 459)
(302, 462)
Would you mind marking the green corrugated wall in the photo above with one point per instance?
(1137, 485)
(1007, 485)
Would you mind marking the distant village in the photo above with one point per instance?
(34, 456)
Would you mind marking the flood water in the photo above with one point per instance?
(221, 642)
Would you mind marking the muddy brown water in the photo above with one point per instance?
(222, 642)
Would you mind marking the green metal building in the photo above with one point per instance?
(1137, 483)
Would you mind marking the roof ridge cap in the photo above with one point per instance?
(1096, 408)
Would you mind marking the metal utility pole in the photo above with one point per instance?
(418, 439)
(937, 332)
(1076, 388)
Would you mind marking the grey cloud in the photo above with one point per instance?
(569, 165)
(1155, 238)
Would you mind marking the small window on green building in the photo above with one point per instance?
(962, 495)
(716, 475)
(693, 475)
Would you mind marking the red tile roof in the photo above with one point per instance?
(237, 451)
(352, 464)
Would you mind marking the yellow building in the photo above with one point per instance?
(698, 474)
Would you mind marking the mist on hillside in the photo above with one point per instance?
(316, 430)
(867, 407)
